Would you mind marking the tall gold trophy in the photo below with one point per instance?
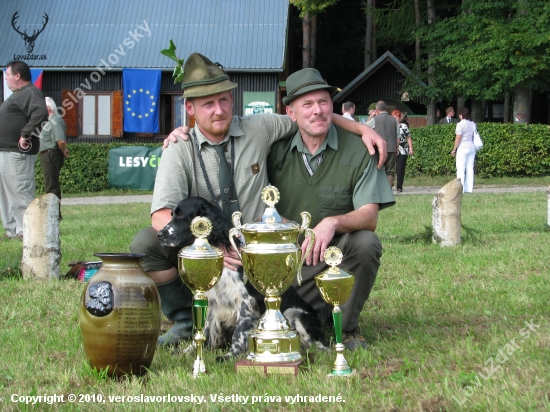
(335, 286)
(272, 259)
(200, 266)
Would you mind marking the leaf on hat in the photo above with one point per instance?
(179, 71)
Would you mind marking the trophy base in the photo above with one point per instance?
(345, 374)
(280, 368)
(274, 347)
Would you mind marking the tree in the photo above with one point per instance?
(492, 48)
(369, 33)
(308, 10)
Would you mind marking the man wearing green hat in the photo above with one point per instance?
(336, 180)
(222, 161)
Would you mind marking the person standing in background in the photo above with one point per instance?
(53, 149)
(387, 127)
(464, 150)
(21, 118)
(348, 109)
(405, 148)
(448, 119)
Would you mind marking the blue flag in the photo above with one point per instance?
(141, 100)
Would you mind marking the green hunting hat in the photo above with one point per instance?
(305, 81)
(204, 78)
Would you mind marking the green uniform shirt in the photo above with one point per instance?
(52, 132)
(346, 179)
(253, 137)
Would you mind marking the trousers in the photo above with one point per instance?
(17, 189)
(401, 163)
(465, 156)
(361, 251)
(52, 162)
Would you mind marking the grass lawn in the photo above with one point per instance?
(462, 328)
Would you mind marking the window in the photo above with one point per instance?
(94, 114)
(172, 112)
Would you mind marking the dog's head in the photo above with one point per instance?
(178, 234)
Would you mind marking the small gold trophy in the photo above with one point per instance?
(272, 259)
(200, 266)
(335, 286)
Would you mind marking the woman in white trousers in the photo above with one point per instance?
(464, 150)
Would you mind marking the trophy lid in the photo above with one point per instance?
(271, 220)
(333, 257)
(200, 249)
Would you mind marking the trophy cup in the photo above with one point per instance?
(200, 266)
(335, 286)
(271, 260)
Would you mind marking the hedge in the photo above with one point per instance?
(86, 169)
(509, 150)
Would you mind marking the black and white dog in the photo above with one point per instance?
(234, 307)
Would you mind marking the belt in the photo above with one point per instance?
(49, 150)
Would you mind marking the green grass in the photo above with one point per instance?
(438, 321)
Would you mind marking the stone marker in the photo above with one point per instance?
(41, 245)
(446, 214)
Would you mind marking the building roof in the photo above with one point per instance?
(387, 57)
(242, 35)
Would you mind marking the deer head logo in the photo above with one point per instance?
(29, 40)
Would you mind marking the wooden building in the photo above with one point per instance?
(82, 47)
(382, 80)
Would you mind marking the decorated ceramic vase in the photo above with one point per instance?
(120, 316)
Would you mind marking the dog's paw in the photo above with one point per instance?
(324, 346)
(224, 358)
(183, 349)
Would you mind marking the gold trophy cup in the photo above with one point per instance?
(335, 286)
(272, 259)
(200, 266)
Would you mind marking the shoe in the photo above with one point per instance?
(352, 339)
(399, 190)
(8, 237)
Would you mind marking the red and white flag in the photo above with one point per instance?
(36, 76)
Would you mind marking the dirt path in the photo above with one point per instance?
(419, 190)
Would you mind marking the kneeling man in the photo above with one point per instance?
(329, 172)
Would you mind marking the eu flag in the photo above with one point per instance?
(141, 100)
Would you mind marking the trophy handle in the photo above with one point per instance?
(236, 219)
(234, 233)
(306, 220)
(311, 235)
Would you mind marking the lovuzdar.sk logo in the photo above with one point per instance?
(29, 39)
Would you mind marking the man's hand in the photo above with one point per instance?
(370, 138)
(181, 132)
(324, 232)
(231, 259)
(364, 218)
(24, 144)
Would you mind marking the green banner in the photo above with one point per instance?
(258, 102)
(134, 167)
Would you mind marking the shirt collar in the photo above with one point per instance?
(234, 130)
(331, 141)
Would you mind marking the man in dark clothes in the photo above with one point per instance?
(21, 118)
